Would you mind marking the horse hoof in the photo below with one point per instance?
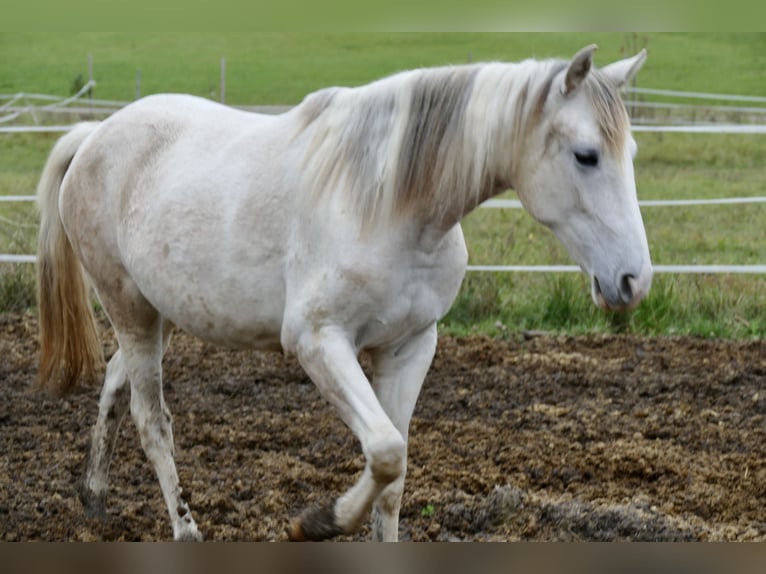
(314, 524)
(93, 504)
(190, 536)
(295, 532)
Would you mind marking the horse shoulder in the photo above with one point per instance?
(376, 289)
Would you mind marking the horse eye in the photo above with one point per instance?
(588, 158)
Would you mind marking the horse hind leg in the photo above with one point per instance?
(142, 350)
(113, 405)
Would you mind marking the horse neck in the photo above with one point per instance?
(428, 145)
(505, 104)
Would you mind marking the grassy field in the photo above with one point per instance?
(282, 68)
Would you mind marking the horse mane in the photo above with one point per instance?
(427, 141)
(609, 108)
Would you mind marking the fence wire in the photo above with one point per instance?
(641, 123)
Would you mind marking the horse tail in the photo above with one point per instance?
(69, 343)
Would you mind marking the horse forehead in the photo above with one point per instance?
(576, 120)
(578, 107)
(593, 122)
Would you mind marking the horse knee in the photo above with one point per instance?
(387, 458)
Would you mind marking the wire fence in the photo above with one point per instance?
(44, 113)
(647, 107)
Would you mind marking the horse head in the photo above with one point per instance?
(577, 177)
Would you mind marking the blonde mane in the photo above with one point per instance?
(429, 141)
(610, 110)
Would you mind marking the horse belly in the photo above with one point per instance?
(217, 277)
(237, 311)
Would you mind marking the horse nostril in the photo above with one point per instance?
(627, 285)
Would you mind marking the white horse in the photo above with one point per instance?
(325, 231)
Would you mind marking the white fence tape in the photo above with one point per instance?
(689, 129)
(697, 108)
(33, 129)
(696, 95)
(704, 129)
(15, 198)
(516, 204)
(9, 258)
(685, 269)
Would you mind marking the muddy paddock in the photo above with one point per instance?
(545, 438)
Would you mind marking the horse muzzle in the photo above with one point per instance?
(624, 292)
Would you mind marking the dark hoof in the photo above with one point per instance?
(190, 537)
(314, 524)
(93, 504)
(294, 531)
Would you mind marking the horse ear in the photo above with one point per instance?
(579, 68)
(622, 72)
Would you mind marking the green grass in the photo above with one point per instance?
(282, 68)
(668, 166)
(700, 305)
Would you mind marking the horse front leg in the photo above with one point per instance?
(330, 360)
(398, 375)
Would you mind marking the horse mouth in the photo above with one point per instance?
(598, 296)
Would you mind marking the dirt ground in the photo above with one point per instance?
(541, 438)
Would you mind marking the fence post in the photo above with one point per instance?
(223, 79)
(90, 79)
